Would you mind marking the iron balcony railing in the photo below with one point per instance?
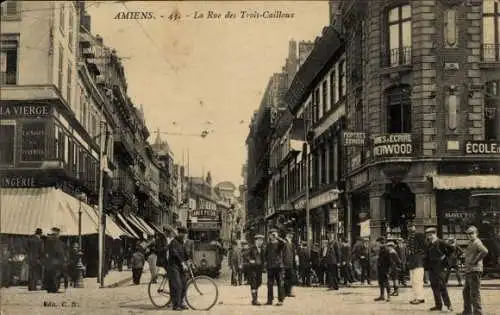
(395, 57)
(490, 52)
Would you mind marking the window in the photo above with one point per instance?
(359, 117)
(10, 10)
(325, 97)
(69, 83)
(70, 30)
(7, 143)
(333, 88)
(324, 166)
(316, 108)
(8, 62)
(84, 113)
(342, 79)
(491, 107)
(399, 30)
(491, 31)
(60, 69)
(62, 19)
(333, 171)
(398, 110)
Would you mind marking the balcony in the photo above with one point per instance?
(397, 57)
(490, 53)
(8, 78)
(124, 143)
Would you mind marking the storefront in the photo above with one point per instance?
(358, 186)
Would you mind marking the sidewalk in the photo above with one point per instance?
(115, 278)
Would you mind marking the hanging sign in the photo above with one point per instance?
(354, 138)
(393, 145)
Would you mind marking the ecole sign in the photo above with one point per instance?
(482, 147)
(24, 111)
(393, 145)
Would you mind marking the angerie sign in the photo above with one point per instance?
(399, 144)
(17, 181)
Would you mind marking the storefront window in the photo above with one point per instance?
(7, 143)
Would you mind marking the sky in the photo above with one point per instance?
(204, 73)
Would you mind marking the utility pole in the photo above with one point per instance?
(306, 151)
(102, 160)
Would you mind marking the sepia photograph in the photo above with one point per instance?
(234, 156)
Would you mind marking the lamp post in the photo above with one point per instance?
(306, 171)
(80, 268)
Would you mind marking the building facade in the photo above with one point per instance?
(422, 87)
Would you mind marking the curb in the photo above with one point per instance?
(119, 283)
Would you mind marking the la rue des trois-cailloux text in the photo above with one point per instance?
(245, 14)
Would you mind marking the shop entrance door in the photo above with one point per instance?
(400, 206)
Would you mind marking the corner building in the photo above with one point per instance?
(422, 84)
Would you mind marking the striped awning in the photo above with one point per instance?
(146, 225)
(25, 209)
(442, 182)
(132, 220)
(125, 224)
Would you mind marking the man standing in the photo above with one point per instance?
(55, 260)
(188, 250)
(436, 261)
(345, 254)
(304, 265)
(416, 251)
(35, 259)
(383, 268)
(332, 261)
(274, 258)
(176, 268)
(236, 263)
(289, 263)
(402, 253)
(152, 258)
(454, 261)
(255, 260)
(474, 254)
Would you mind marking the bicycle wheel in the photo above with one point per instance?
(201, 293)
(159, 292)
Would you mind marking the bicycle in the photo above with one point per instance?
(196, 287)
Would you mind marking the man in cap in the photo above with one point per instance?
(436, 259)
(402, 253)
(395, 266)
(55, 260)
(34, 249)
(235, 262)
(188, 248)
(474, 254)
(454, 261)
(332, 261)
(304, 264)
(361, 252)
(176, 268)
(274, 259)
(255, 259)
(415, 259)
(383, 268)
(289, 263)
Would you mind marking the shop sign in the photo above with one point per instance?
(33, 142)
(482, 147)
(393, 145)
(354, 138)
(24, 111)
(359, 179)
(458, 215)
(17, 181)
(207, 213)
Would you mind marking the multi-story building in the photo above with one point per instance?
(422, 85)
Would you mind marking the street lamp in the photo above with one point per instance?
(80, 268)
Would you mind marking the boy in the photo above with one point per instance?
(137, 261)
(254, 258)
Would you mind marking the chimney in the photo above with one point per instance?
(305, 48)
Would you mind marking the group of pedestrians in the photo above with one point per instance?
(426, 252)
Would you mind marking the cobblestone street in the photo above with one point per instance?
(129, 299)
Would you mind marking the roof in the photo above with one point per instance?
(326, 49)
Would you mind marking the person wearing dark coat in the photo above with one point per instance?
(55, 256)
(235, 261)
(289, 264)
(304, 264)
(255, 260)
(316, 263)
(274, 260)
(362, 253)
(332, 261)
(415, 262)
(402, 250)
(188, 252)
(436, 261)
(383, 269)
(454, 262)
(346, 260)
(35, 252)
(176, 267)
(395, 266)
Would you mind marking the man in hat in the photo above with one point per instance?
(346, 260)
(274, 259)
(415, 259)
(255, 259)
(289, 263)
(474, 254)
(176, 267)
(235, 261)
(188, 248)
(402, 253)
(454, 261)
(34, 249)
(436, 260)
(383, 268)
(361, 252)
(55, 260)
(395, 266)
(332, 261)
(304, 264)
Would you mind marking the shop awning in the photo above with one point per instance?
(25, 209)
(125, 224)
(450, 182)
(155, 227)
(132, 219)
(146, 225)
